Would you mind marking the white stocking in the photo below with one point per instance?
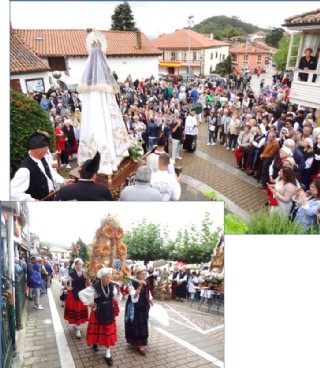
(108, 353)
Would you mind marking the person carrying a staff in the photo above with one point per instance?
(137, 312)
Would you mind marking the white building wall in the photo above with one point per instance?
(25, 76)
(138, 67)
(219, 54)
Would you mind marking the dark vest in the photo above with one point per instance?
(78, 284)
(105, 310)
(38, 187)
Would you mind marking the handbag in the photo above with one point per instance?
(245, 150)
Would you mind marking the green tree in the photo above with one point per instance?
(83, 252)
(222, 26)
(194, 246)
(273, 38)
(26, 117)
(224, 67)
(145, 242)
(122, 19)
(280, 57)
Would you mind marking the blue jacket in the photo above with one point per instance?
(35, 278)
(308, 217)
(299, 160)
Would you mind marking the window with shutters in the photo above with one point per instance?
(57, 63)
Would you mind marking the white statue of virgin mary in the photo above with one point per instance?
(102, 125)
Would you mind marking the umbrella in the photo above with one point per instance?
(102, 126)
(179, 264)
(160, 263)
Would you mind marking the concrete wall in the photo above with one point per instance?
(214, 56)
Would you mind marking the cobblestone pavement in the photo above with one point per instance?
(195, 338)
(215, 167)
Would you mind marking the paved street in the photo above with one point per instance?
(195, 338)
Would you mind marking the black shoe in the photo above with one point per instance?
(109, 361)
(95, 347)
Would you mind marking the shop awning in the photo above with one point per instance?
(167, 64)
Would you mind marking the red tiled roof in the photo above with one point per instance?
(243, 49)
(22, 59)
(312, 17)
(180, 40)
(72, 42)
(262, 45)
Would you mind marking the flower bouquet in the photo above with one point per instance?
(135, 149)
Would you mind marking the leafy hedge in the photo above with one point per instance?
(26, 117)
(263, 222)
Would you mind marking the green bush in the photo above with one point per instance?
(273, 223)
(233, 225)
(26, 117)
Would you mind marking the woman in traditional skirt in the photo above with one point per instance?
(137, 312)
(75, 312)
(182, 280)
(174, 282)
(102, 328)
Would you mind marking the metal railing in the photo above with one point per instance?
(6, 339)
(20, 297)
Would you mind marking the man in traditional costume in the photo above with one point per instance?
(75, 312)
(35, 178)
(86, 189)
(100, 297)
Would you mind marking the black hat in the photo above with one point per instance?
(91, 166)
(38, 140)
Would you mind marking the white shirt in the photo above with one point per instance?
(191, 125)
(87, 295)
(132, 291)
(167, 185)
(152, 163)
(64, 274)
(21, 181)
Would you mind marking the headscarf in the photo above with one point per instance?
(104, 271)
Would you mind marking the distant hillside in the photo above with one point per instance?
(225, 27)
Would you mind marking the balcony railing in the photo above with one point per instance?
(305, 88)
(180, 60)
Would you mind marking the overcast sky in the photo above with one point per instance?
(62, 223)
(153, 18)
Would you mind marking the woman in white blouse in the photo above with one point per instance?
(137, 312)
(283, 190)
(104, 308)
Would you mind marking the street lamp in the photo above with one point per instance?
(190, 23)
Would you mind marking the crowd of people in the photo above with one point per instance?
(96, 301)
(265, 132)
(272, 139)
